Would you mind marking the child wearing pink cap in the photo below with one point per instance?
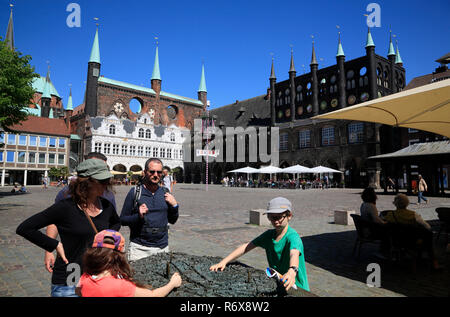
(107, 272)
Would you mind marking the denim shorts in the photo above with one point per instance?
(63, 291)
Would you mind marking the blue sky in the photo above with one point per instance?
(233, 38)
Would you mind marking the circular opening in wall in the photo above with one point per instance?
(135, 105)
(362, 71)
(308, 86)
(172, 112)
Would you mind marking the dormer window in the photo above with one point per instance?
(112, 129)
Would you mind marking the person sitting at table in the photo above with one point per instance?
(409, 217)
(368, 209)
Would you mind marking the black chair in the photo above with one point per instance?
(444, 218)
(367, 232)
(409, 240)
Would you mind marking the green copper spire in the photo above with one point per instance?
(46, 90)
(398, 59)
(369, 41)
(95, 51)
(391, 46)
(69, 102)
(202, 86)
(340, 51)
(9, 38)
(156, 74)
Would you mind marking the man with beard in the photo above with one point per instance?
(147, 210)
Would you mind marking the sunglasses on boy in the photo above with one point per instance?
(273, 217)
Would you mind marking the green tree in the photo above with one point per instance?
(16, 76)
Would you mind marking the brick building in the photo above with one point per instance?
(40, 142)
(290, 104)
(106, 123)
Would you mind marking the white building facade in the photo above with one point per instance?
(128, 144)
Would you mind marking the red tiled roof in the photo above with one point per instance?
(42, 125)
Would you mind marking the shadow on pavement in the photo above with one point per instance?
(333, 252)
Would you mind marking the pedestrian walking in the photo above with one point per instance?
(422, 187)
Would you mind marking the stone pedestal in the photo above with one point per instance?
(342, 217)
(257, 217)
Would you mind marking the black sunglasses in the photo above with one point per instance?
(153, 172)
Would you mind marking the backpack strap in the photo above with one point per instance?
(137, 196)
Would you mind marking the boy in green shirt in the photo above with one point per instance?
(284, 248)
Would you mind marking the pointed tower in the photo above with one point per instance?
(90, 106)
(156, 75)
(314, 66)
(272, 80)
(398, 59)
(391, 58)
(202, 92)
(371, 66)
(340, 59)
(46, 98)
(69, 109)
(292, 74)
(9, 38)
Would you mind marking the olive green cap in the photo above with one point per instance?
(94, 168)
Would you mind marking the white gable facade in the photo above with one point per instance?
(129, 143)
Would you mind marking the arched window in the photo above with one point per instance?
(112, 129)
(148, 134)
(141, 133)
(172, 137)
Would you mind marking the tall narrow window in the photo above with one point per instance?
(148, 134)
(141, 133)
(327, 135)
(284, 138)
(304, 138)
(112, 129)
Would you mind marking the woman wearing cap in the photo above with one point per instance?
(77, 219)
(107, 272)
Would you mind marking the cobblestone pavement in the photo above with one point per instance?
(215, 222)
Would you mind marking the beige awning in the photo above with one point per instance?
(117, 173)
(423, 108)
